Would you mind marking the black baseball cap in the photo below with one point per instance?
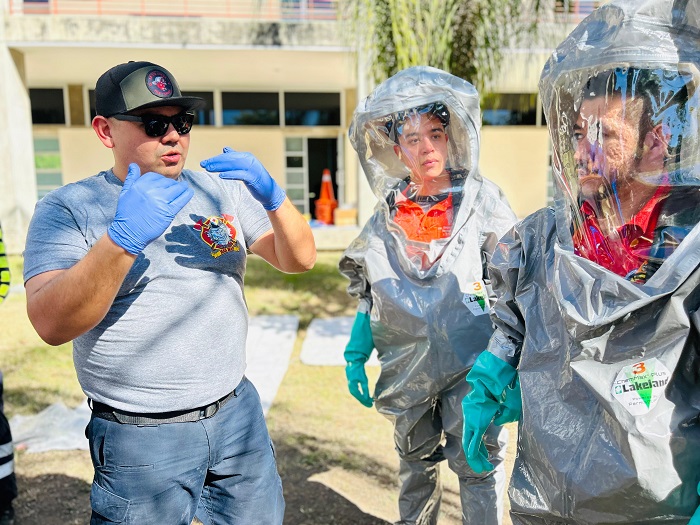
(139, 85)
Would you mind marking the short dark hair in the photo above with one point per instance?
(394, 125)
(649, 86)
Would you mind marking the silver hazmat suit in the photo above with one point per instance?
(598, 297)
(427, 292)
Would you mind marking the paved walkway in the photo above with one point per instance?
(325, 342)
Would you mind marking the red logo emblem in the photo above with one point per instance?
(219, 234)
(159, 84)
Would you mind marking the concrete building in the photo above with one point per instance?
(280, 79)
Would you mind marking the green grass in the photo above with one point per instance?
(335, 456)
(37, 375)
(317, 293)
(15, 269)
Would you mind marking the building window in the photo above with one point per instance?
(312, 109)
(91, 100)
(36, 6)
(47, 106)
(296, 171)
(204, 116)
(250, 109)
(509, 109)
(308, 9)
(47, 162)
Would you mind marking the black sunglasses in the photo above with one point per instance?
(157, 125)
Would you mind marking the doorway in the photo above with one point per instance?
(323, 154)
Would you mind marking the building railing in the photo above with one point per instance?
(577, 9)
(286, 10)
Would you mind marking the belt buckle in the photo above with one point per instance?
(210, 410)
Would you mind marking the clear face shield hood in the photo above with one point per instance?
(625, 156)
(417, 140)
(621, 101)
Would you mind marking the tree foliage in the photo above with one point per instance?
(464, 37)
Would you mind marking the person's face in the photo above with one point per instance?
(165, 155)
(606, 141)
(423, 148)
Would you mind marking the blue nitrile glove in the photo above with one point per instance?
(356, 354)
(695, 520)
(512, 408)
(488, 378)
(147, 205)
(238, 165)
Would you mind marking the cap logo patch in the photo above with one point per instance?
(159, 84)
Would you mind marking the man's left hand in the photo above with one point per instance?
(695, 520)
(239, 165)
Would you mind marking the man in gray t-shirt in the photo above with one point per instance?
(142, 267)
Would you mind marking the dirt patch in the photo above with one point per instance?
(320, 486)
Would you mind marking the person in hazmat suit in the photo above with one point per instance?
(418, 270)
(597, 297)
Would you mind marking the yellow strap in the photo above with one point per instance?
(4, 271)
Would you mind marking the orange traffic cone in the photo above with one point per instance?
(326, 203)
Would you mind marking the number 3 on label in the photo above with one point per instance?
(639, 368)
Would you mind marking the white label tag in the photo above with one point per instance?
(639, 386)
(476, 299)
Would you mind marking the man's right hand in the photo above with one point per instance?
(146, 207)
(357, 382)
(488, 378)
(357, 352)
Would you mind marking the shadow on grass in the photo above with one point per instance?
(53, 499)
(301, 456)
(30, 402)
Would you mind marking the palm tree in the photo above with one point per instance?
(464, 37)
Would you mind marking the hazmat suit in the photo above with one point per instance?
(418, 270)
(597, 297)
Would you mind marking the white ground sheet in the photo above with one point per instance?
(325, 342)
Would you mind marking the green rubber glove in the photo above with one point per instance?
(489, 378)
(356, 354)
(512, 408)
(695, 520)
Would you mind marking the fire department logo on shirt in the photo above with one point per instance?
(639, 386)
(219, 234)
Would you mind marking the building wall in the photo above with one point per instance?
(229, 55)
(204, 54)
(517, 159)
(84, 155)
(17, 177)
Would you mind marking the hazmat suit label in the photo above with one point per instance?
(476, 299)
(639, 386)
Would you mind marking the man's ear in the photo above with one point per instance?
(103, 130)
(397, 150)
(654, 149)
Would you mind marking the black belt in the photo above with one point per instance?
(183, 416)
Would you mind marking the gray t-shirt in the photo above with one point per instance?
(175, 335)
